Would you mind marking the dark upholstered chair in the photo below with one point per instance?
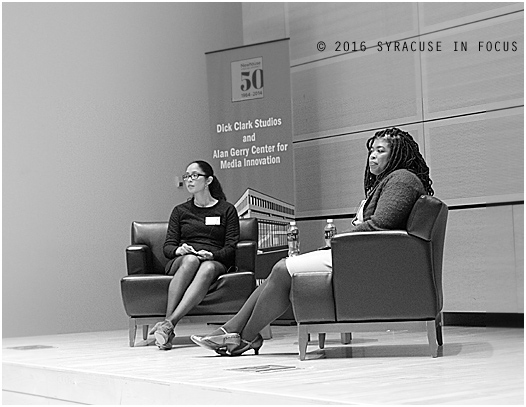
(145, 288)
(380, 280)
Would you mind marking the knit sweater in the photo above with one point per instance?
(215, 229)
(389, 206)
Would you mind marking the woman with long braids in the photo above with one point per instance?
(200, 241)
(396, 174)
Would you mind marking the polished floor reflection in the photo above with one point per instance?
(476, 366)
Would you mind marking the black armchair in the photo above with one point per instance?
(145, 289)
(379, 280)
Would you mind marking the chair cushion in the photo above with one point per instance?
(145, 295)
(248, 229)
(153, 235)
(246, 255)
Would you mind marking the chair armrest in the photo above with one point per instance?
(385, 274)
(246, 256)
(144, 295)
(244, 281)
(312, 298)
(138, 259)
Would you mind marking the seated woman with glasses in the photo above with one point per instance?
(201, 242)
(396, 174)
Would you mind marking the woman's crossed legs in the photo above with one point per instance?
(191, 281)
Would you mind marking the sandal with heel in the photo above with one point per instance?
(217, 343)
(164, 334)
(256, 344)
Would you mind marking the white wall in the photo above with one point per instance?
(103, 103)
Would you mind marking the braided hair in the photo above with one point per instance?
(404, 155)
(215, 188)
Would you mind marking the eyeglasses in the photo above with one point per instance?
(193, 176)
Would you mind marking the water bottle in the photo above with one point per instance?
(293, 239)
(329, 232)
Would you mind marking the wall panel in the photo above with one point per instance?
(434, 16)
(355, 92)
(457, 83)
(329, 173)
(479, 261)
(352, 22)
(263, 22)
(477, 159)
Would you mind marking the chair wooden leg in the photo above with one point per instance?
(432, 338)
(132, 331)
(438, 327)
(302, 341)
(346, 338)
(145, 332)
(266, 332)
(321, 340)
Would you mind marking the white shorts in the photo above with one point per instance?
(320, 260)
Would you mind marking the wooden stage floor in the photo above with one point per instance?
(478, 366)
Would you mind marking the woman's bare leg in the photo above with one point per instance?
(206, 274)
(183, 271)
(267, 302)
(272, 302)
(238, 321)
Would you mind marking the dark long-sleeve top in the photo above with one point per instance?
(215, 229)
(389, 206)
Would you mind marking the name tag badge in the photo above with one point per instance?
(213, 220)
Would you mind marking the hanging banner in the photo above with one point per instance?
(249, 96)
